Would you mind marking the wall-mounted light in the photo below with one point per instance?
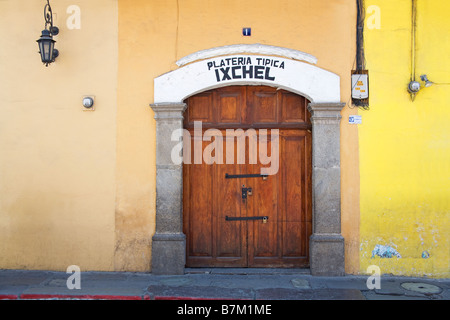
(46, 42)
(88, 103)
(415, 86)
(424, 78)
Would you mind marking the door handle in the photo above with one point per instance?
(245, 191)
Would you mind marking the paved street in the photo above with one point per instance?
(216, 284)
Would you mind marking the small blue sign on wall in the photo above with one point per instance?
(247, 32)
(355, 119)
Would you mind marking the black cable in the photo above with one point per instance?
(360, 56)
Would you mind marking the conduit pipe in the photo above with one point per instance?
(413, 45)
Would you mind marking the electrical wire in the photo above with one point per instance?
(360, 56)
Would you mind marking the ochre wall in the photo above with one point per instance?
(57, 162)
(405, 144)
(78, 187)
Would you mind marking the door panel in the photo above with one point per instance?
(264, 105)
(284, 197)
(293, 108)
(208, 199)
(200, 108)
(283, 240)
(248, 107)
(230, 105)
(263, 237)
(231, 237)
(296, 193)
(200, 230)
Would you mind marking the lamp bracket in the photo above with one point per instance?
(48, 17)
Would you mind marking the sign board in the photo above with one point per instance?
(241, 67)
(360, 88)
(316, 84)
(355, 119)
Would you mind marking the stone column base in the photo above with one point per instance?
(168, 253)
(327, 255)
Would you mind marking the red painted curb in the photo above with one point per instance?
(37, 296)
(8, 297)
(191, 298)
(81, 297)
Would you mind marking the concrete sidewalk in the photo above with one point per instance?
(216, 284)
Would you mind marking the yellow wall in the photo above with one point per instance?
(153, 35)
(405, 145)
(57, 162)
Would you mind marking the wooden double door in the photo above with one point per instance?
(234, 213)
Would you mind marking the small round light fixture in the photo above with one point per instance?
(88, 102)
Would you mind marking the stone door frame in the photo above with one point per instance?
(320, 87)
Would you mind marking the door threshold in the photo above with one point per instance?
(248, 271)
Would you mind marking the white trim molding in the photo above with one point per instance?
(255, 48)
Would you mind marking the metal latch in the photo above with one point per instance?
(238, 176)
(263, 218)
(245, 192)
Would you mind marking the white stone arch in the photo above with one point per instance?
(254, 48)
(198, 74)
(314, 83)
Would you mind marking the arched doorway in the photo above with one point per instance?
(234, 216)
(320, 87)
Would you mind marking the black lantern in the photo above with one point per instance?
(47, 48)
(46, 42)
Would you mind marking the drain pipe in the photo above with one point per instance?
(413, 86)
(413, 40)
